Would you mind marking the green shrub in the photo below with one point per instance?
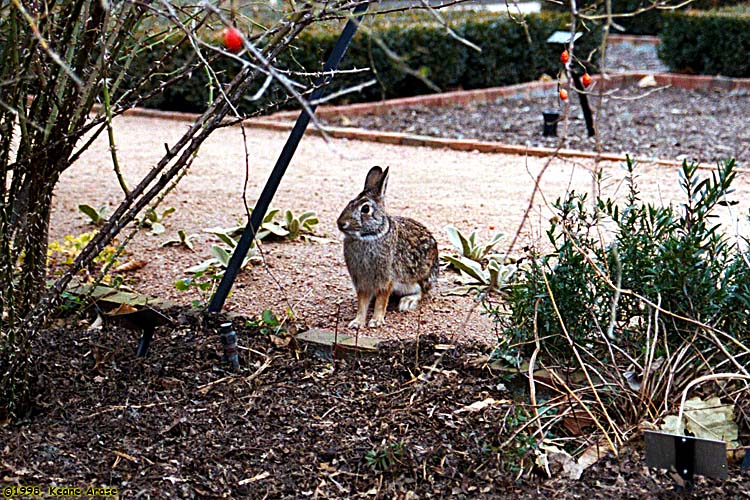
(648, 22)
(508, 57)
(708, 42)
(426, 53)
(676, 257)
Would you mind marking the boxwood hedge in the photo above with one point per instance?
(648, 22)
(707, 42)
(511, 53)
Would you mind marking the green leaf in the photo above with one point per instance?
(308, 215)
(167, 211)
(494, 241)
(221, 255)
(232, 231)
(157, 228)
(468, 266)
(269, 318)
(288, 217)
(455, 238)
(275, 228)
(202, 266)
(93, 214)
(226, 239)
(183, 284)
(270, 215)
(293, 228)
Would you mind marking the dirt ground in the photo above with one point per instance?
(415, 421)
(472, 191)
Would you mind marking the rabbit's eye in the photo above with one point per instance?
(365, 209)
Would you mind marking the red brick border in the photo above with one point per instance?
(634, 39)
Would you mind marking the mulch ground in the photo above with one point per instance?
(653, 122)
(291, 424)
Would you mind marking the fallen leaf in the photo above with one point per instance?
(576, 420)
(122, 309)
(479, 405)
(257, 477)
(710, 419)
(97, 324)
(280, 341)
(647, 81)
(130, 265)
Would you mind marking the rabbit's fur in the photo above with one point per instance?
(384, 253)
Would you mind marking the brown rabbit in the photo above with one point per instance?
(384, 253)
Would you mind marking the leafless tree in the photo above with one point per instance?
(66, 70)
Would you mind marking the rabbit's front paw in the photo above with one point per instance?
(374, 323)
(355, 323)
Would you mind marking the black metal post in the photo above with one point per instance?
(261, 206)
(584, 100)
(684, 454)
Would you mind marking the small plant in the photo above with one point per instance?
(468, 247)
(204, 282)
(65, 252)
(183, 239)
(474, 277)
(153, 220)
(221, 256)
(96, 217)
(479, 269)
(385, 457)
(297, 226)
(291, 227)
(267, 323)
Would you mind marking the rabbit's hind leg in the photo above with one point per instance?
(411, 295)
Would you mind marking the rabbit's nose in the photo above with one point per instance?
(343, 225)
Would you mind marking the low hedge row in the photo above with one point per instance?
(707, 42)
(649, 22)
(510, 54)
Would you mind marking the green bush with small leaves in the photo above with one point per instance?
(707, 42)
(676, 257)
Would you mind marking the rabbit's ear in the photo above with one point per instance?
(377, 181)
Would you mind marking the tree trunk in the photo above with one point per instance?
(32, 241)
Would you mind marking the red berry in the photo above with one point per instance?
(565, 57)
(586, 79)
(563, 94)
(232, 39)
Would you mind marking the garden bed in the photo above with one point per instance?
(396, 424)
(655, 122)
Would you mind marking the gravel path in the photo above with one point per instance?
(473, 191)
